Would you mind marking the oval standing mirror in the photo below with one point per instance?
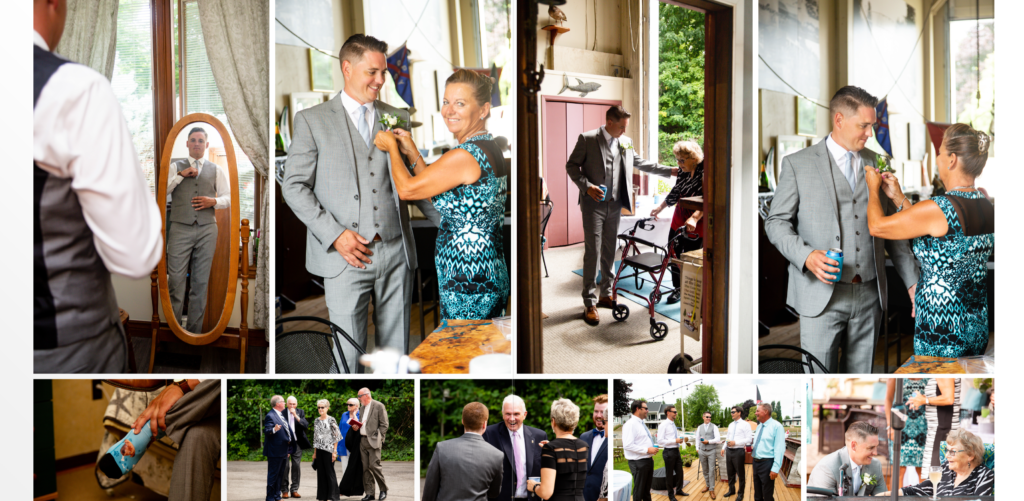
(198, 191)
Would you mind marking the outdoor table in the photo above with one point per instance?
(919, 364)
(454, 343)
(621, 486)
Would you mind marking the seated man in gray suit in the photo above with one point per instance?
(465, 468)
(339, 184)
(197, 187)
(605, 157)
(861, 472)
(821, 203)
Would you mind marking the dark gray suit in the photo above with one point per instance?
(334, 182)
(815, 209)
(463, 469)
(593, 163)
(826, 474)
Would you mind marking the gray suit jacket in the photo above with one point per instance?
(376, 424)
(805, 217)
(585, 165)
(826, 474)
(320, 183)
(463, 469)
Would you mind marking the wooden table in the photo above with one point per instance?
(692, 203)
(919, 364)
(454, 343)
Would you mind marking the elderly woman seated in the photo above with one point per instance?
(963, 474)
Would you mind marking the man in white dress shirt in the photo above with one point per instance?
(707, 438)
(639, 448)
(668, 439)
(92, 211)
(198, 188)
(737, 438)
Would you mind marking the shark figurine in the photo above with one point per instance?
(583, 88)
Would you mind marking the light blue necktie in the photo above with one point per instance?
(757, 440)
(851, 175)
(364, 129)
(856, 482)
(649, 436)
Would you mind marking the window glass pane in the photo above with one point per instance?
(496, 43)
(133, 78)
(972, 63)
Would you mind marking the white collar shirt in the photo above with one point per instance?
(636, 439)
(740, 433)
(839, 155)
(223, 185)
(352, 108)
(613, 142)
(79, 133)
(667, 434)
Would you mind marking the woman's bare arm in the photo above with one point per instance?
(925, 218)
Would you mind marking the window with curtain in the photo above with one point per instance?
(972, 67)
(197, 93)
(133, 79)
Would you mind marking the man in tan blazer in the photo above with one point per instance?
(373, 429)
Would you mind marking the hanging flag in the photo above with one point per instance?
(495, 87)
(398, 66)
(882, 126)
(935, 132)
(758, 395)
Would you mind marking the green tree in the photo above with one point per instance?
(680, 78)
(704, 398)
(751, 416)
(621, 390)
(679, 413)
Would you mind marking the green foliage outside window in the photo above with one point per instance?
(680, 78)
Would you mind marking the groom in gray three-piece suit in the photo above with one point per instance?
(855, 461)
(338, 184)
(821, 203)
(604, 156)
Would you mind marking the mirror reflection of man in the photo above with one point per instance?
(197, 187)
(92, 212)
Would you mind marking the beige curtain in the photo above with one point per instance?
(236, 34)
(90, 34)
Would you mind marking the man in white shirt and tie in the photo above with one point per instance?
(668, 439)
(708, 438)
(638, 446)
(737, 438)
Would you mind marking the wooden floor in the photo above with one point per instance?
(696, 485)
(181, 358)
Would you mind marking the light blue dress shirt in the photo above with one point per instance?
(770, 441)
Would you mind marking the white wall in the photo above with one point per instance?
(134, 297)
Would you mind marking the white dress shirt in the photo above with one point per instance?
(714, 428)
(839, 155)
(739, 432)
(636, 439)
(79, 133)
(519, 442)
(667, 434)
(223, 184)
(352, 107)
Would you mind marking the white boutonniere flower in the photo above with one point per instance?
(388, 121)
(625, 146)
(868, 479)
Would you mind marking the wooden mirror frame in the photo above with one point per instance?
(161, 198)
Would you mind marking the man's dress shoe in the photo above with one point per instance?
(383, 496)
(367, 498)
(730, 493)
(606, 302)
(590, 316)
(296, 495)
(284, 495)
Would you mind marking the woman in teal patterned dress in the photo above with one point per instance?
(468, 186)
(953, 239)
(915, 431)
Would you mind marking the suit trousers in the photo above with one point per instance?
(764, 486)
(275, 467)
(387, 281)
(673, 470)
(600, 232)
(294, 466)
(372, 469)
(735, 459)
(849, 324)
(194, 424)
(707, 466)
(195, 243)
(643, 476)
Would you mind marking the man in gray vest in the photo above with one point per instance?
(708, 440)
(339, 184)
(605, 157)
(198, 187)
(93, 214)
(821, 203)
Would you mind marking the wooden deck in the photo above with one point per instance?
(782, 493)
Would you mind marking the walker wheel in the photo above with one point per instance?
(659, 331)
(621, 312)
(655, 296)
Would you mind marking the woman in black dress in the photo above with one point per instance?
(563, 461)
(352, 480)
(325, 446)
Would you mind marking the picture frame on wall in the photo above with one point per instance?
(787, 145)
(806, 117)
(299, 101)
(321, 76)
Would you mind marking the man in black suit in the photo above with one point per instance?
(296, 420)
(275, 446)
(521, 445)
(465, 468)
(597, 443)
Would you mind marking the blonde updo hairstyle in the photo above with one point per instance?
(565, 414)
(970, 147)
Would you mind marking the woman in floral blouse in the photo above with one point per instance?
(325, 452)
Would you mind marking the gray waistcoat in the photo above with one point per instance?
(378, 213)
(857, 245)
(203, 185)
(705, 432)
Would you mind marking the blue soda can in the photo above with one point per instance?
(837, 255)
(605, 190)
